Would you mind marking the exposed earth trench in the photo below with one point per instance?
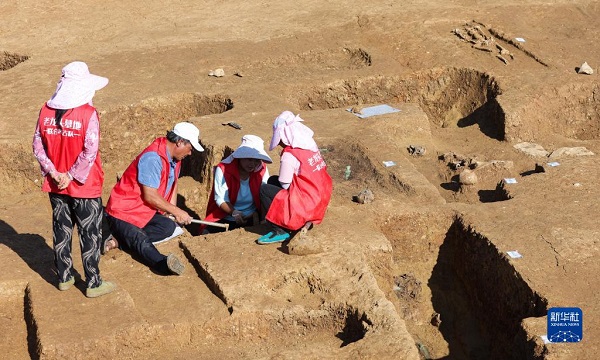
(421, 272)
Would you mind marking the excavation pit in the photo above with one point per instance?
(15, 320)
(459, 274)
(139, 124)
(450, 97)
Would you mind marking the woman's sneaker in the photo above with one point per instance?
(105, 288)
(63, 286)
(272, 238)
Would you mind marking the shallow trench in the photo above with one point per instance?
(322, 324)
(126, 130)
(443, 266)
(449, 96)
(338, 323)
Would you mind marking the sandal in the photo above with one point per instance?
(109, 244)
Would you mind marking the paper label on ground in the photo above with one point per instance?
(374, 110)
(514, 254)
(510, 180)
(389, 163)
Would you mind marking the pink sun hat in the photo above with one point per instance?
(76, 86)
(288, 128)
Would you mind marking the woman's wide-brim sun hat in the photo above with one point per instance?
(252, 147)
(288, 129)
(284, 119)
(76, 86)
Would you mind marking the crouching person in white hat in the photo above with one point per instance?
(143, 202)
(234, 198)
(65, 144)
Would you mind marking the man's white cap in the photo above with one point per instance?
(189, 132)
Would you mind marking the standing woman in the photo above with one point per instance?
(65, 144)
(300, 195)
(234, 199)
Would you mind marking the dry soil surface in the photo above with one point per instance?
(420, 272)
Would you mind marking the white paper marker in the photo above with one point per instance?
(514, 254)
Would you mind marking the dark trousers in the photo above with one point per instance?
(87, 215)
(139, 240)
(268, 191)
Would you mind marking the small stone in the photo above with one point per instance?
(233, 125)
(585, 69)
(570, 151)
(364, 197)
(436, 319)
(467, 177)
(304, 244)
(217, 73)
(416, 150)
(531, 149)
(407, 287)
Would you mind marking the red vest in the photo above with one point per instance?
(63, 146)
(308, 195)
(126, 203)
(231, 174)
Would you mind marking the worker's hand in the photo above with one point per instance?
(62, 180)
(239, 217)
(66, 180)
(182, 217)
(56, 177)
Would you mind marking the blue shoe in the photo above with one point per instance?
(271, 238)
(265, 237)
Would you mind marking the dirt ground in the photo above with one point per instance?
(421, 272)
